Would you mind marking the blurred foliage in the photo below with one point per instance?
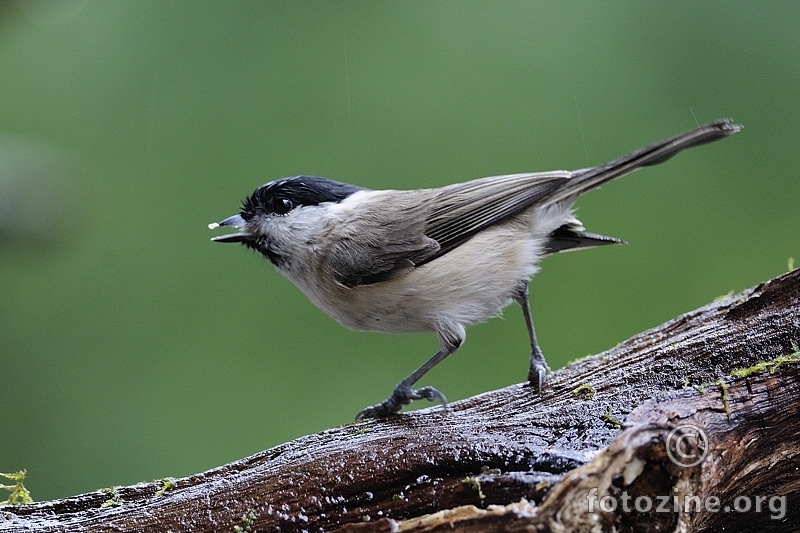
(133, 348)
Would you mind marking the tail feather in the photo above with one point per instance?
(591, 178)
(566, 239)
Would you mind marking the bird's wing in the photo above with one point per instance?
(377, 242)
(450, 216)
(428, 224)
(462, 210)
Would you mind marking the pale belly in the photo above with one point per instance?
(467, 285)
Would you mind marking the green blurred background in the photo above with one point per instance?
(133, 348)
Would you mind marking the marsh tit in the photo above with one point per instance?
(430, 259)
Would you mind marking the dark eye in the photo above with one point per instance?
(282, 206)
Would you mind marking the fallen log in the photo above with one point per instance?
(691, 426)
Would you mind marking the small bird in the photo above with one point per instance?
(437, 260)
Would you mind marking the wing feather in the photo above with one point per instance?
(462, 210)
(374, 244)
(428, 226)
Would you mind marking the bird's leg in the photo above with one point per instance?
(403, 394)
(538, 368)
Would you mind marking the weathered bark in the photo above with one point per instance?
(511, 460)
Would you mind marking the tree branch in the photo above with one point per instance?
(511, 460)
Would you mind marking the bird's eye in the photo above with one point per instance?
(282, 206)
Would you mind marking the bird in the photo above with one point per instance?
(434, 259)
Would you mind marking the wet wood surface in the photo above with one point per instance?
(510, 459)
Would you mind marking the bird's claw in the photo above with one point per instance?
(401, 396)
(536, 375)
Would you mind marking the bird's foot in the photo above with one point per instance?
(401, 396)
(537, 373)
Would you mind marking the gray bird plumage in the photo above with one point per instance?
(430, 259)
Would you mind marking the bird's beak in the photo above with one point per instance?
(236, 221)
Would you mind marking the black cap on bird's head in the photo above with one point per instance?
(278, 198)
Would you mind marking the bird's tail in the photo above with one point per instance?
(590, 178)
